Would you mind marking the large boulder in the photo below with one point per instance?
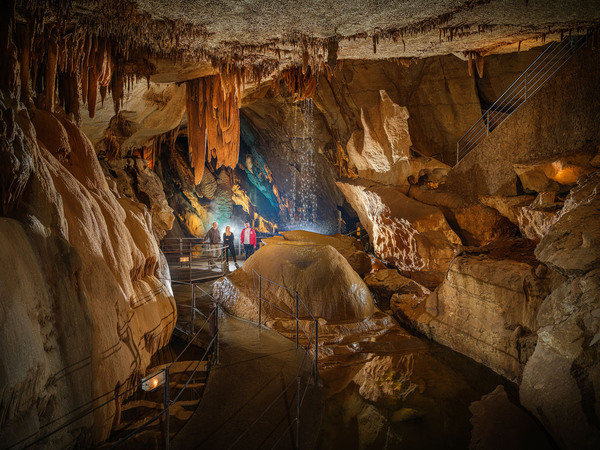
(349, 247)
(413, 236)
(486, 307)
(561, 381)
(499, 424)
(572, 245)
(556, 174)
(328, 288)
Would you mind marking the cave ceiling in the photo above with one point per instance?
(268, 35)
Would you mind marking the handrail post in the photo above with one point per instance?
(216, 342)
(457, 150)
(298, 413)
(190, 263)
(193, 306)
(297, 320)
(166, 403)
(316, 351)
(259, 299)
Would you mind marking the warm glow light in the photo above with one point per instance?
(153, 381)
(184, 259)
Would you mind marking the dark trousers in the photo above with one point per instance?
(230, 249)
(249, 249)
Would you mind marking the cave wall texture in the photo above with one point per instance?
(84, 301)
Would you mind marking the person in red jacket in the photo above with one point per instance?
(248, 238)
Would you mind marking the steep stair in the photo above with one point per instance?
(524, 87)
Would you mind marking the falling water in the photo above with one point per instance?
(303, 208)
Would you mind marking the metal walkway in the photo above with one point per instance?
(260, 395)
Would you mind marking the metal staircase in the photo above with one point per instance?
(528, 83)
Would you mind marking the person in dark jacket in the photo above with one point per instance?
(228, 241)
(213, 237)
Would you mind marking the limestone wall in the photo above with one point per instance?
(83, 299)
(561, 118)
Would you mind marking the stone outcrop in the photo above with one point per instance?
(556, 174)
(381, 150)
(404, 232)
(131, 178)
(148, 111)
(388, 286)
(561, 381)
(573, 246)
(327, 286)
(82, 280)
(486, 307)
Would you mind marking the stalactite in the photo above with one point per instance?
(196, 126)
(50, 77)
(92, 94)
(24, 44)
(470, 63)
(85, 67)
(68, 93)
(479, 64)
(301, 84)
(117, 84)
(213, 121)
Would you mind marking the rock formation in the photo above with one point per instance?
(307, 115)
(84, 285)
(327, 286)
(561, 379)
(413, 236)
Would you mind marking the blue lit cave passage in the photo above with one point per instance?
(299, 226)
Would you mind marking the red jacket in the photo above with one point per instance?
(252, 237)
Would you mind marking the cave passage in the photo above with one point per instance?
(354, 225)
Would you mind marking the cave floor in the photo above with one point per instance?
(250, 396)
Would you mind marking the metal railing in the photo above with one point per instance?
(83, 411)
(212, 348)
(312, 338)
(554, 56)
(190, 259)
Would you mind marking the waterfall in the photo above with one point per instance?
(303, 205)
